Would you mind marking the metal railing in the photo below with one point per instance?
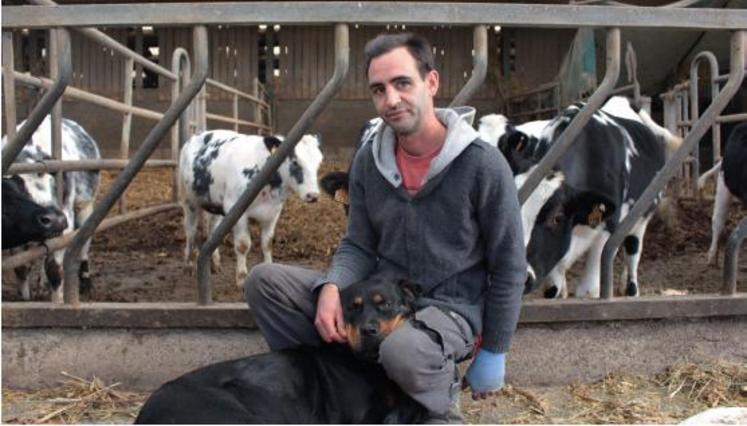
(385, 12)
(681, 111)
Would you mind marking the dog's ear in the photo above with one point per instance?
(410, 290)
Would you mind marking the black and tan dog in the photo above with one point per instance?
(324, 384)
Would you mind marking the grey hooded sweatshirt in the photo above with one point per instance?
(459, 237)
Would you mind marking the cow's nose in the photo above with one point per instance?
(371, 329)
(52, 221)
(312, 197)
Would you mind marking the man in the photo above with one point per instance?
(429, 202)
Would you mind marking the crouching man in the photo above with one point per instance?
(430, 202)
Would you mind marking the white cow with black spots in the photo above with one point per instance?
(216, 167)
(79, 189)
(574, 211)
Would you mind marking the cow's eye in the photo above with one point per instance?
(40, 175)
(557, 219)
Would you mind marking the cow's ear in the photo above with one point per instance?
(410, 290)
(593, 208)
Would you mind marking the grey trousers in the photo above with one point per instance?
(425, 368)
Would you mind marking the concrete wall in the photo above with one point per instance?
(541, 354)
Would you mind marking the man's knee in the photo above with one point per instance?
(409, 356)
(259, 282)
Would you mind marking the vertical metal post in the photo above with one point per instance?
(71, 264)
(568, 137)
(257, 105)
(236, 112)
(9, 85)
(180, 65)
(54, 71)
(479, 66)
(342, 62)
(736, 75)
(124, 146)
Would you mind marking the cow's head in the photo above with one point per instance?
(303, 166)
(24, 220)
(549, 217)
(335, 184)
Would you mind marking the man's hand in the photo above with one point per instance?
(329, 322)
(486, 374)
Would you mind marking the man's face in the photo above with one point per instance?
(401, 97)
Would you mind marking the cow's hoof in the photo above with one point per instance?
(632, 289)
(552, 292)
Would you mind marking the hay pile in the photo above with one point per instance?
(665, 398)
(75, 401)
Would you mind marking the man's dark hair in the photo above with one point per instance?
(417, 45)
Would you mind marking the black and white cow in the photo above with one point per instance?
(79, 194)
(731, 183)
(574, 211)
(215, 169)
(25, 221)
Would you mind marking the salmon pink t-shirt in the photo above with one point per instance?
(414, 168)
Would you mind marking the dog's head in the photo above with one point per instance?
(373, 309)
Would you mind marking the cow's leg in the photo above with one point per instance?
(588, 285)
(242, 242)
(720, 211)
(53, 263)
(211, 223)
(190, 231)
(84, 274)
(267, 233)
(633, 247)
(583, 237)
(24, 283)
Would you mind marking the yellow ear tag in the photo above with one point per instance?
(341, 196)
(596, 215)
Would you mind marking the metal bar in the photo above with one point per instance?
(83, 95)
(105, 40)
(731, 258)
(56, 117)
(71, 264)
(229, 89)
(387, 12)
(342, 62)
(182, 67)
(738, 40)
(235, 110)
(479, 66)
(124, 146)
(568, 137)
(9, 85)
(51, 166)
(224, 119)
(15, 145)
(62, 241)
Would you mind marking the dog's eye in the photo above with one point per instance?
(385, 305)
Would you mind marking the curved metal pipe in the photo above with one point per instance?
(694, 107)
(342, 62)
(48, 101)
(479, 66)
(736, 75)
(71, 264)
(568, 137)
(182, 68)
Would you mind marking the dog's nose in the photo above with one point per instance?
(371, 329)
